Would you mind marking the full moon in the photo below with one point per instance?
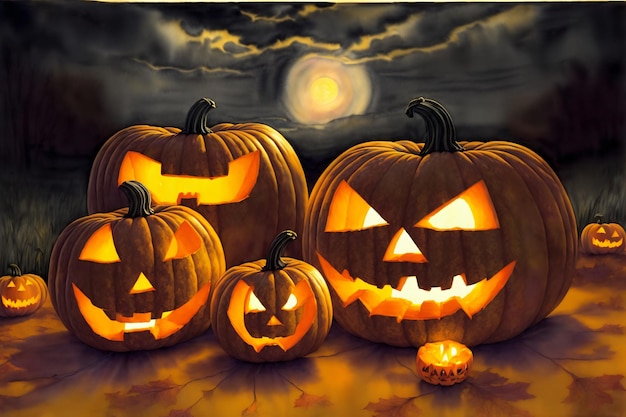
(319, 89)
(324, 90)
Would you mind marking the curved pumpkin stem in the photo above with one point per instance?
(598, 218)
(14, 270)
(138, 199)
(197, 117)
(441, 130)
(274, 261)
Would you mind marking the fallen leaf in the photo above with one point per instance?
(307, 400)
(589, 394)
(162, 392)
(180, 413)
(611, 328)
(490, 395)
(394, 407)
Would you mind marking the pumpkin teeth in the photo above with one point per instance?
(410, 290)
(606, 243)
(20, 303)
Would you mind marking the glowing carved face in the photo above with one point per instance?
(271, 318)
(20, 293)
(169, 189)
(101, 249)
(472, 210)
(606, 236)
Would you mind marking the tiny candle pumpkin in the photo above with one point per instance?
(21, 294)
(444, 363)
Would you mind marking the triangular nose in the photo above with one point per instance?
(141, 285)
(21, 288)
(403, 249)
(274, 321)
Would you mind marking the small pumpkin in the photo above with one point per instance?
(272, 309)
(137, 278)
(444, 363)
(21, 294)
(423, 242)
(600, 238)
(229, 173)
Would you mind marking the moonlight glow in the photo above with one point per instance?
(320, 89)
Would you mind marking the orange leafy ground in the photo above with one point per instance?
(571, 364)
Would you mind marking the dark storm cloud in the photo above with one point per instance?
(154, 60)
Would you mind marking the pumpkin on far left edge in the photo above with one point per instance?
(138, 278)
(21, 294)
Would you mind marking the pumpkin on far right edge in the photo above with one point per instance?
(423, 242)
(599, 238)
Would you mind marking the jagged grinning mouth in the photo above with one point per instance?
(166, 188)
(607, 243)
(169, 323)
(409, 301)
(8, 303)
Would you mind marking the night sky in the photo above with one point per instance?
(326, 75)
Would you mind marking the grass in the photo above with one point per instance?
(33, 212)
(36, 208)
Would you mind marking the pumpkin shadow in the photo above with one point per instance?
(558, 336)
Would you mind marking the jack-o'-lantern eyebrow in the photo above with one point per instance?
(470, 210)
(100, 247)
(185, 242)
(350, 212)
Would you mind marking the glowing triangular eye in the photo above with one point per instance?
(350, 212)
(100, 247)
(615, 234)
(186, 241)
(254, 304)
(470, 210)
(601, 230)
(11, 284)
(29, 283)
(292, 303)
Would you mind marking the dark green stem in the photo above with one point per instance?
(274, 261)
(14, 270)
(197, 117)
(441, 131)
(138, 199)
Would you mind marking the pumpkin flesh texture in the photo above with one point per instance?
(142, 245)
(535, 231)
(280, 190)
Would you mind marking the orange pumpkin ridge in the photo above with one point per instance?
(227, 172)
(138, 278)
(273, 309)
(424, 242)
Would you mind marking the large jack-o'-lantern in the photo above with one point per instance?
(469, 241)
(272, 309)
(21, 294)
(136, 278)
(229, 173)
(602, 237)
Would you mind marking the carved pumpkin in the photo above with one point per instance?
(599, 238)
(229, 173)
(271, 310)
(136, 278)
(444, 363)
(470, 241)
(21, 294)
